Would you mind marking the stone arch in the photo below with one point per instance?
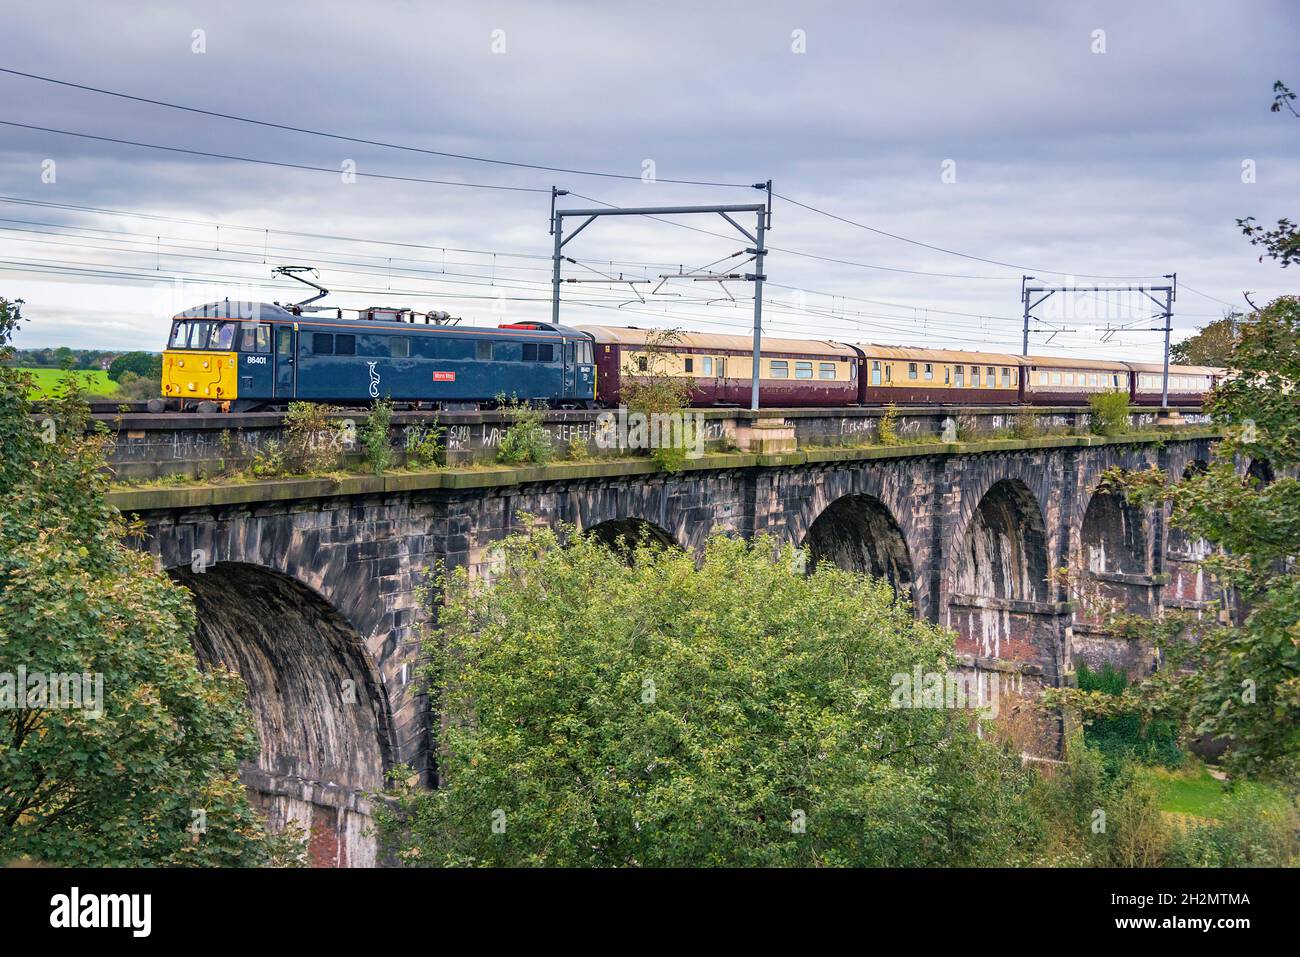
(998, 594)
(321, 712)
(1261, 471)
(1113, 535)
(858, 533)
(619, 533)
(1003, 549)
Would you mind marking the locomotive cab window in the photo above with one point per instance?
(180, 335)
(399, 347)
(284, 341)
(256, 339)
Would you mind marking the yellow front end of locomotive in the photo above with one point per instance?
(200, 376)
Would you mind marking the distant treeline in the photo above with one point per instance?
(144, 364)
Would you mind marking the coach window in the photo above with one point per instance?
(642, 364)
(780, 369)
(345, 345)
(803, 370)
(929, 371)
(826, 370)
(975, 376)
(911, 370)
(1056, 378)
(961, 376)
(991, 376)
(1092, 380)
(688, 365)
(706, 365)
(399, 347)
(947, 375)
(875, 372)
(1006, 378)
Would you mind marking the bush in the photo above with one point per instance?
(375, 438)
(312, 441)
(1253, 830)
(1127, 737)
(889, 425)
(424, 445)
(1025, 426)
(601, 711)
(526, 440)
(1110, 413)
(146, 365)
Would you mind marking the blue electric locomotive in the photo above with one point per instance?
(243, 356)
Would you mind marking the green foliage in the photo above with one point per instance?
(1127, 737)
(656, 389)
(314, 442)
(374, 436)
(1109, 413)
(146, 365)
(1211, 346)
(1025, 426)
(1254, 830)
(889, 425)
(654, 712)
(424, 444)
(526, 439)
(1240, 681)
(120, 788)
(132, 387)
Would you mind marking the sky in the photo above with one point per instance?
(992, 140)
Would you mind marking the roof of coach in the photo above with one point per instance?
(632, 336)
(960, 356)
(1056, 362)
(1174, 369)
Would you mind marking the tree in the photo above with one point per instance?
(1211, 346)
(1239, 679)
(634, 709)
(147, 365)
(115, 748)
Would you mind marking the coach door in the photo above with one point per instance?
(286, 371)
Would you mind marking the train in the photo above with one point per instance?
(251, 356)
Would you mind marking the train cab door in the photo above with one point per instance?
(286, 369)
(568, 350)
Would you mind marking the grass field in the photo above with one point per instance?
(95, 381)
(1193, 791)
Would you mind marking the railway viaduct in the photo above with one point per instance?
(308, 587)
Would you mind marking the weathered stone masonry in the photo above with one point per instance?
(309, 588)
